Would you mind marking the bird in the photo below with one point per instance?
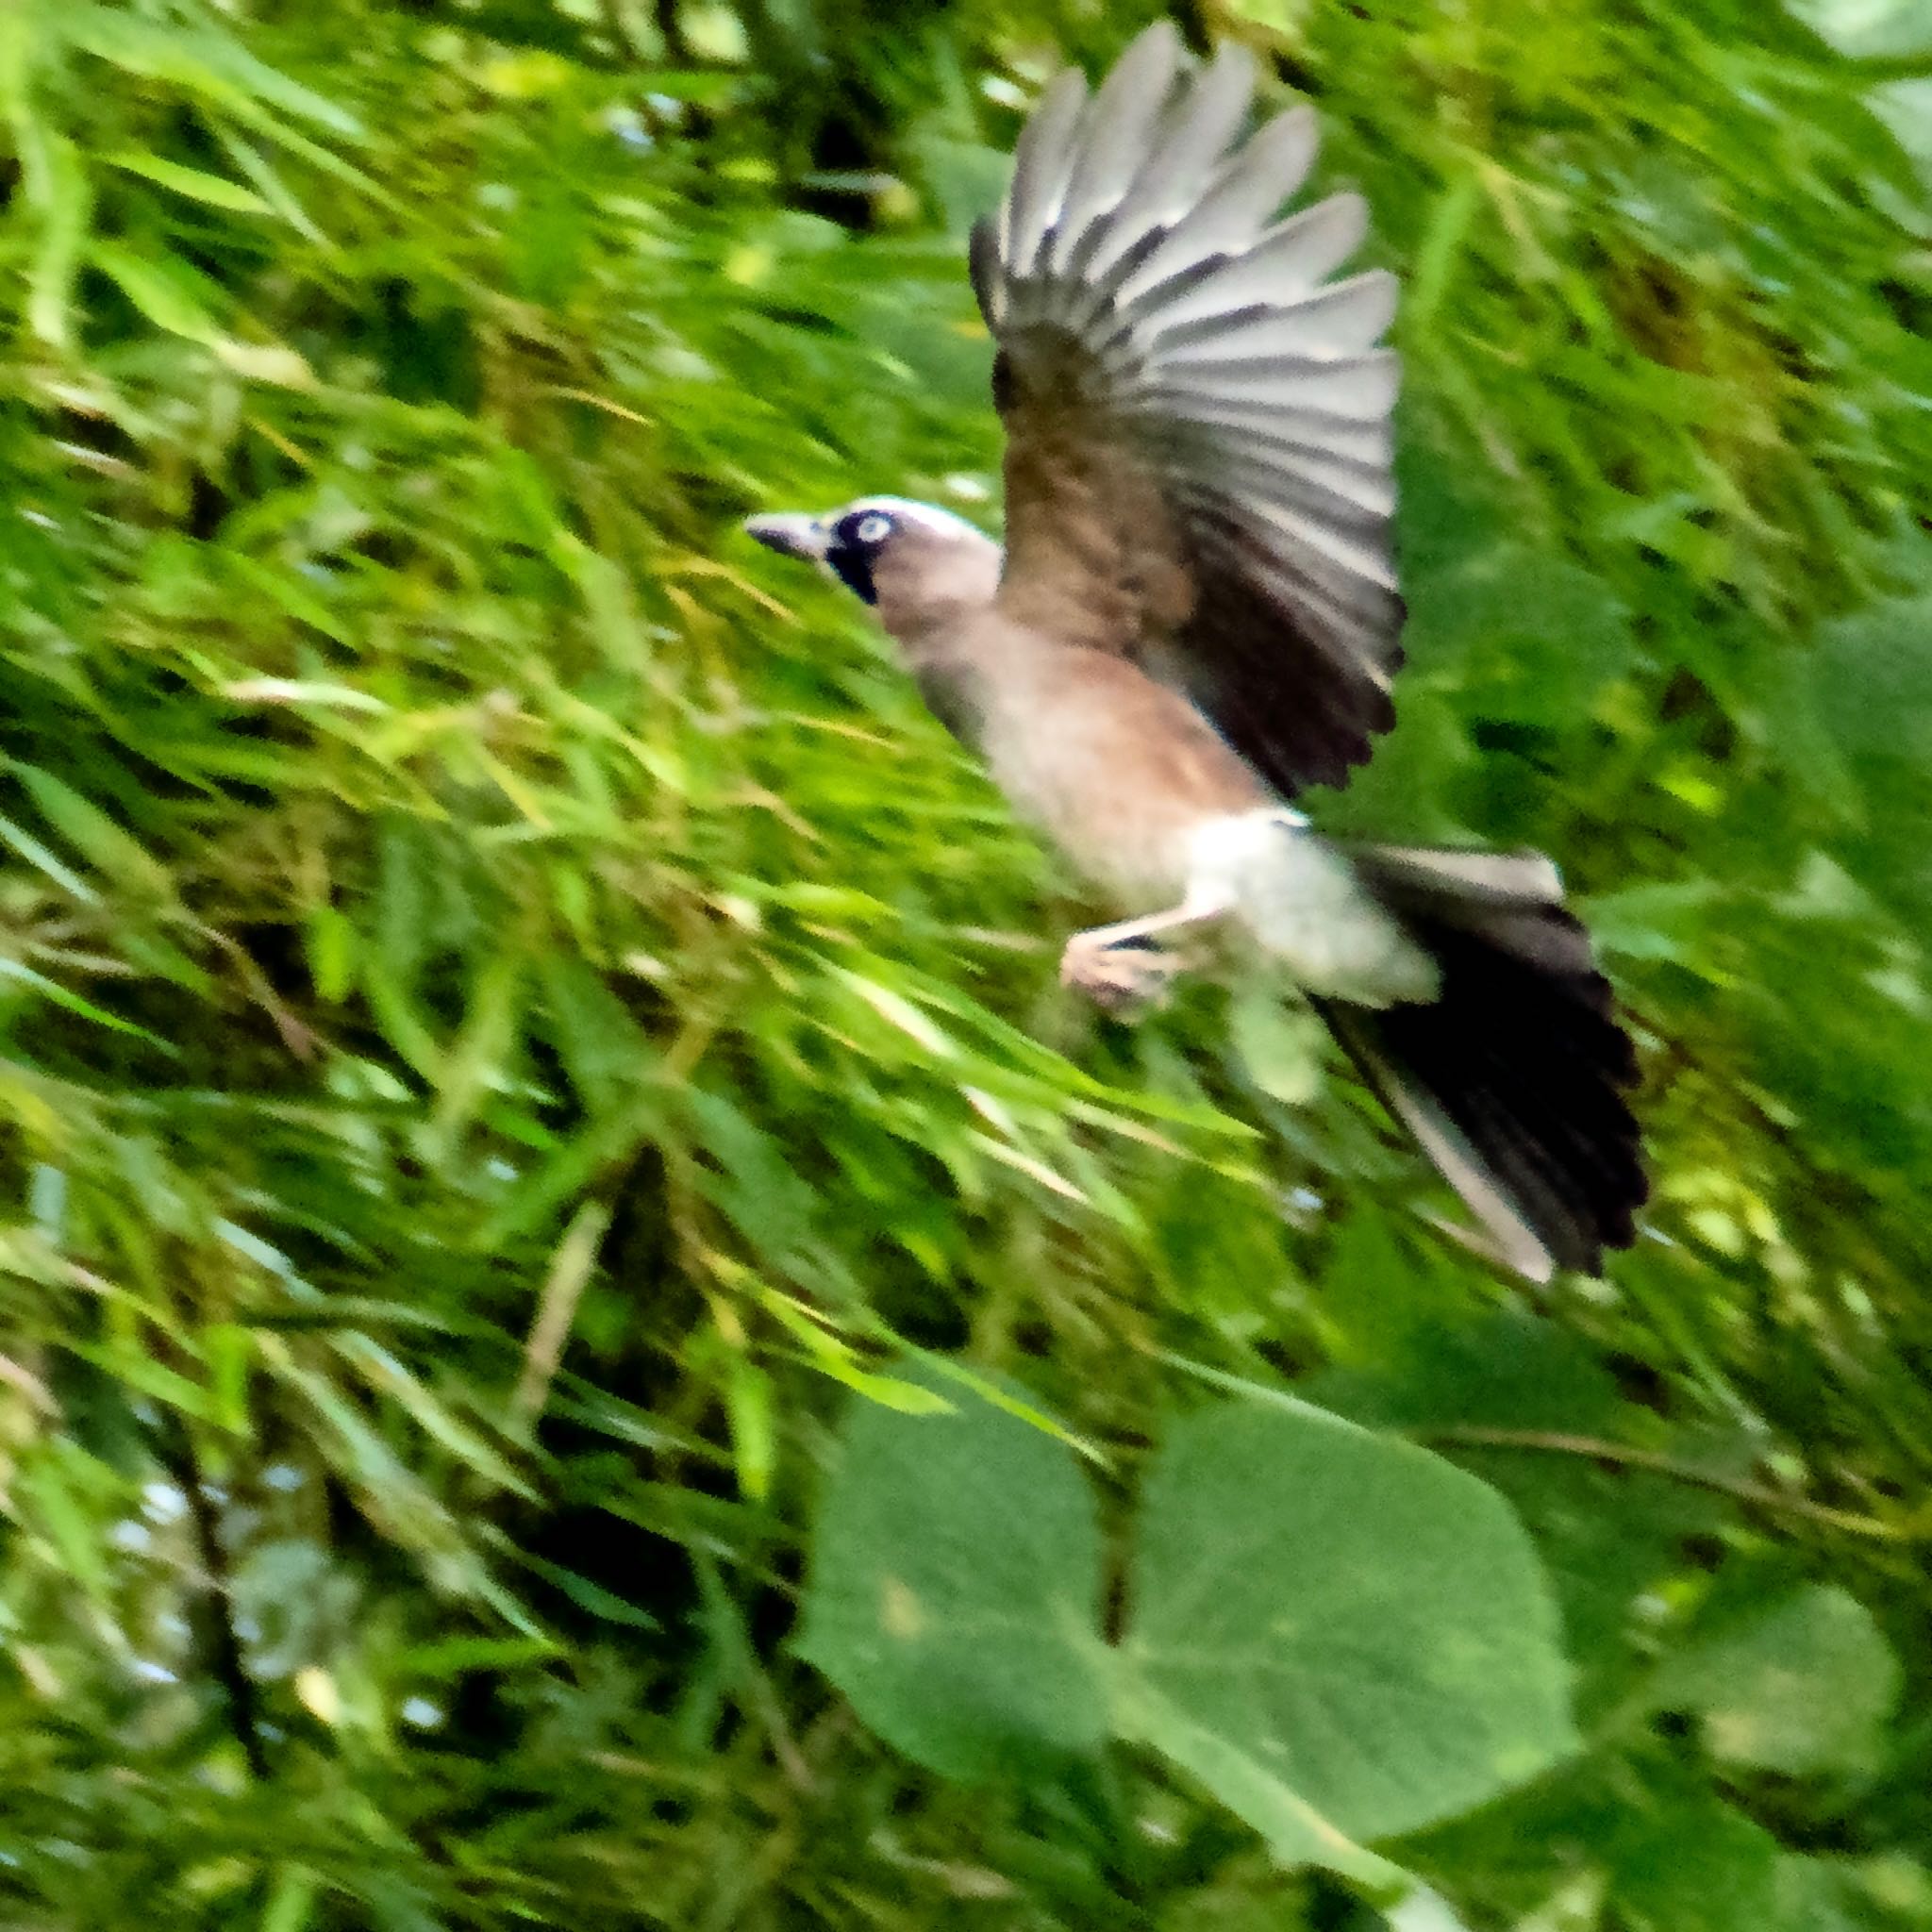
(1196, 616)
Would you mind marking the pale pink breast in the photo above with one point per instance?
(1118, 771)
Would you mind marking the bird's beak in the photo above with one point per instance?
(790, 535)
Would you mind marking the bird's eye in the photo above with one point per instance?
(874, 528)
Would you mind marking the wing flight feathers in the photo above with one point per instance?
(1199, 449)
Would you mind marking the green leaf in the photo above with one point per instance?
(1532, 635)
(586, 1594)
(38, 856)
(331, 941)
(290, 1906)
(755, 1185)
(274, 191)
(1344, 1637)
(215, 189)
(955, 1587)
(165, 289)
(60, 193)
(1906, 108)
(748, 1403)
(386, 1373)
(1805, 1687)
(91, 831)
(67, 1493)
(203, 61)
(51, 991)
(1245, 1780)
(1870, 683)
(1868, 30)
(452, 1656)
(1690, 1863)
(1509, 1369)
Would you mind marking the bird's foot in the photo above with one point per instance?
(1123, 977)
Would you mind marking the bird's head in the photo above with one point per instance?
(914, 562)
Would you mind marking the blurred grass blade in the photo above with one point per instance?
(201, 59)
(163, 288)
(273, 190)
(217, 191)
(72, 1002)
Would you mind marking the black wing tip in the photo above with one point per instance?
(1315, 752)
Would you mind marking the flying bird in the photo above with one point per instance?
(1196, 616)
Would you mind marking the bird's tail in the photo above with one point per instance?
(1512, 1079)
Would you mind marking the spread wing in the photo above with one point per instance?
(1199, 449)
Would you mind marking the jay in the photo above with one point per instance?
(1196, 616)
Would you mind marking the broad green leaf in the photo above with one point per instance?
(1805, 1685)
(1244, 1779)
(1520, 1400)
(1342, 1635)
(955, 1588)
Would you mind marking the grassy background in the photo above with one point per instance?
(511, 1010)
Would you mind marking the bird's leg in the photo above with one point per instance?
(1119, 967)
